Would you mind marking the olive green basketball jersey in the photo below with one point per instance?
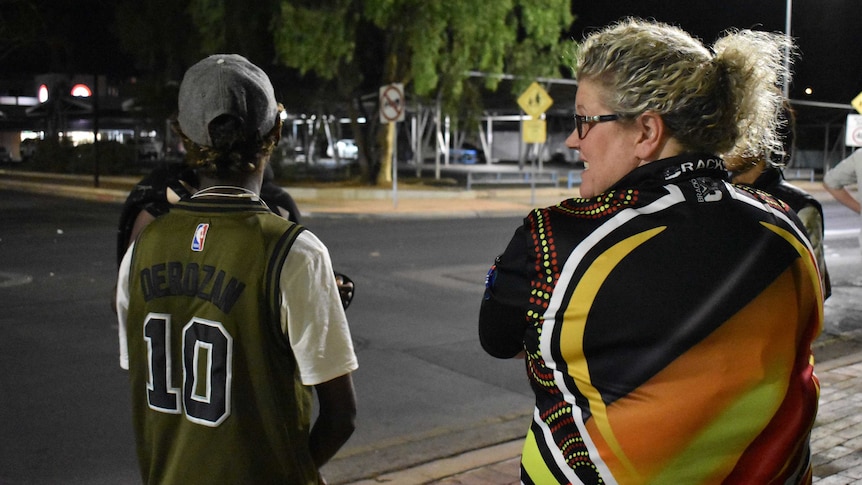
(216, 397)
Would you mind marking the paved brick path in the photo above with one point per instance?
(837, 437)
(836, 441)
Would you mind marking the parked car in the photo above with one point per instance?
(347, 149)
(5, 157)
(148, 148)
(465, 156)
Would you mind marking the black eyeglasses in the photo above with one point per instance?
(582, 121)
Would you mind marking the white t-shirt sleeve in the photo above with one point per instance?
(312, 315)
(122, 299)
(845, 173)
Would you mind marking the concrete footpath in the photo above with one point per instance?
(837, 436)
(407, 200)
(836, 441)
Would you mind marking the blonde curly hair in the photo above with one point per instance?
(717, 101)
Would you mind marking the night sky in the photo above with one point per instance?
(61, 36)
(827, 32)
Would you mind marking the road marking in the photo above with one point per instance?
(8, 280)
(840, 233)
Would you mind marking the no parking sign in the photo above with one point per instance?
(392, 103)
(854, 131)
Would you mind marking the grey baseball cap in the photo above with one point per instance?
(225, 84)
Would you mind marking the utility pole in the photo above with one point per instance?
(95, 105)
(787, 36)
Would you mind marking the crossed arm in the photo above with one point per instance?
(845, 197)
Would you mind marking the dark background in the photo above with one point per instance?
(80, 36)
(826, 32)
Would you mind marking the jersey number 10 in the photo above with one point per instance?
(207, 351)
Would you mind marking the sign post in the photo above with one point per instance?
(534, 101)
(392, 111)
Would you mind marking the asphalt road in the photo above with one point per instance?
(424, 386)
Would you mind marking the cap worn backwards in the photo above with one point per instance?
(225, 84)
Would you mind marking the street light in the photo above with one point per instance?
(787, 49)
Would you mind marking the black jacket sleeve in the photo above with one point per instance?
(503, 314)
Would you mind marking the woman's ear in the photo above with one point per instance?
(652, 140)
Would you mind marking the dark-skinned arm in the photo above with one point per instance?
(337, 418)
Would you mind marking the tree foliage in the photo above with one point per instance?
(351, 47)
(22, 29)
(41, 36)
(432, 46)
(157, 35)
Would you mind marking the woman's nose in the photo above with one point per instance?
(573, 141)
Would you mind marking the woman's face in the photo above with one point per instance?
(607, 149)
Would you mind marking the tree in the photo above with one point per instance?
(166, 37)
(430, 46)
(157, 34)
(351, 47)
(59, 36)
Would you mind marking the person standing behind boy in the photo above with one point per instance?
(848, 172)
(229, 314)
(751, 165)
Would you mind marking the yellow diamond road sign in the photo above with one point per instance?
(535, 100)
(857, 103)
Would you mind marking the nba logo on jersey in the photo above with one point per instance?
(200, 237)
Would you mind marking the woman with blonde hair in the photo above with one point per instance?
(666, 316)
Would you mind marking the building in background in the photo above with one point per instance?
(77, 108)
